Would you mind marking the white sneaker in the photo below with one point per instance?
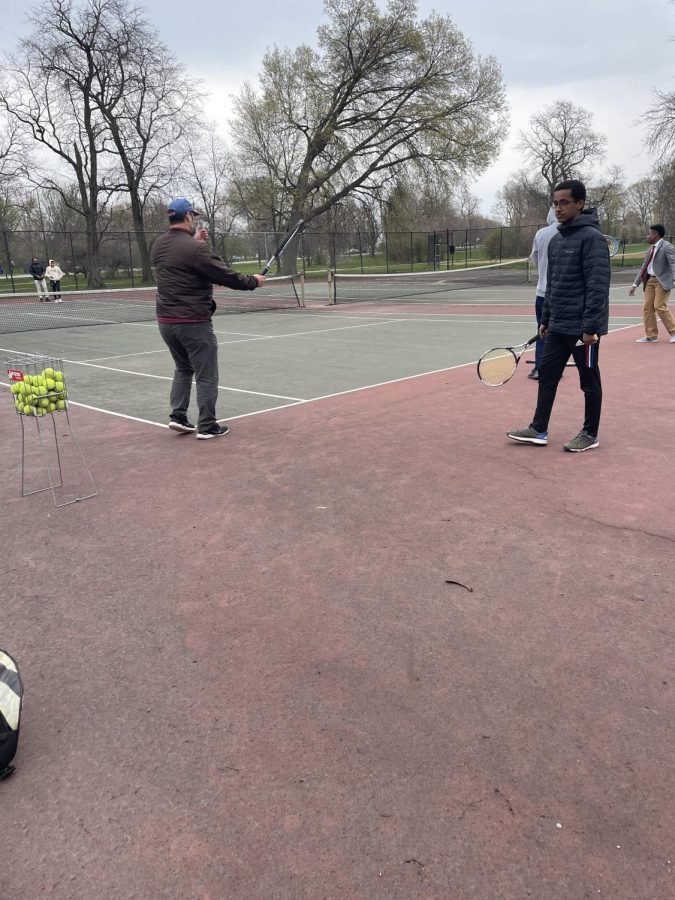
(646, 340)
(671, 339)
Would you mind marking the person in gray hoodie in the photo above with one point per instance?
(539, 257)
(575, 315)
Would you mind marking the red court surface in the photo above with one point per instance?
(247, 676)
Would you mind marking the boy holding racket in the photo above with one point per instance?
(574, 316)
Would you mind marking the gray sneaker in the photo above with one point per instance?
(583, 441)
(529, 436)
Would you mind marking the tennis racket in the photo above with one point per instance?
(282, 246)
(499, 365)
(612, 244)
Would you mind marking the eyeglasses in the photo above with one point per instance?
(561, 204)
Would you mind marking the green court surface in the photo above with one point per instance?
(282, 358)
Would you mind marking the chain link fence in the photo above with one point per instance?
(318, 252)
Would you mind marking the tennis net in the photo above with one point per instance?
(413, 285)
(118, 306)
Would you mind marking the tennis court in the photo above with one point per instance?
(361, 647)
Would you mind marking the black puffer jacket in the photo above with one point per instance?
(37, 270)
(577, 291)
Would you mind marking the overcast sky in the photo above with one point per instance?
(605, 55)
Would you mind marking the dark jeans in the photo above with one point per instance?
(539, 346)
(56, 289)
(194, 349)
(557, 349)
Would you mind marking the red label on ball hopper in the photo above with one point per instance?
(15, 375)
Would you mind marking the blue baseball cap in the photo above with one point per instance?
(180, 206)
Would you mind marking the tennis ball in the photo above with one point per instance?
(15, 387)
(44, 402)
(27, 410)
(50, 384)
(52, 407)
(60, 404)
(57, 376)
(56, 385)
(48, 373)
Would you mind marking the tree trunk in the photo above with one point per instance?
(93, 263)
(141, 239)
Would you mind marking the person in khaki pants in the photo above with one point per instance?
(656, 276)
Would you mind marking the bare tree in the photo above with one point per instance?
(560, 141)
(208, 165)
(610, 199)
(524, 200)
(641, 198)
(468, 206)
(14, 151)
(147, 101)
(47, 92)
(664, 207)
(384, 92)
(660, 120)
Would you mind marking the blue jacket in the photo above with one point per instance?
(577, 289)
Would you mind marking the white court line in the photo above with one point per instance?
(368, 387)
(297, 402)
(110, 412)
(221, 387)
(261, 337)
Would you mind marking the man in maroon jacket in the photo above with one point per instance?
(186, 269)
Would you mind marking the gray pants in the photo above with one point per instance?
(194, 349)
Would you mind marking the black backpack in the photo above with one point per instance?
(11, 696)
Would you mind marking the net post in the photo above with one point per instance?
(301, 295)
(331, 288)
(72, 256)
(131, 260)
(10, 265)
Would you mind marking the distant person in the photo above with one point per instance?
(186, 269)
(539, 257)
(37, 271)
(656, 277)
(574, 316)
(54, 274)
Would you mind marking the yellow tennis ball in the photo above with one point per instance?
(50, 384)
(60, 404)
(58, 375)
(15, 387)
(57, 385)
(48, 373)
(44, 402)
(27, 410)
(52, 407)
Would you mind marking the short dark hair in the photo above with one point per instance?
(659, 229)
(576, 188)
(175, 218)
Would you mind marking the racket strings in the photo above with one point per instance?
(497, 366)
